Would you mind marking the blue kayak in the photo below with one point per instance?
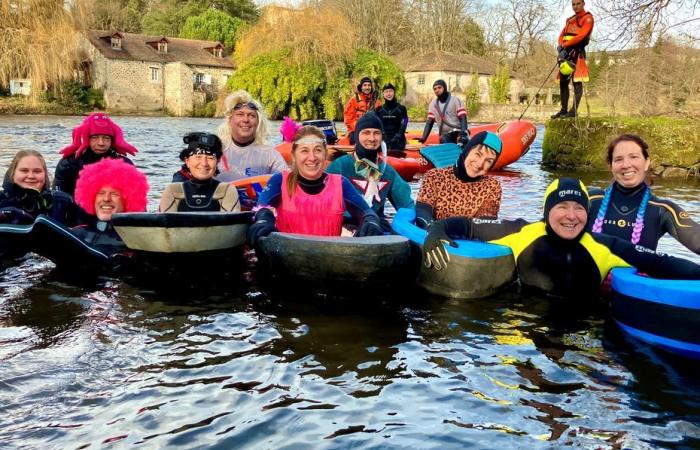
(662, 313)
(476, 269)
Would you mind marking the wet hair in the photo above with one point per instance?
(234, 99)
(23, 154)
(627, 138)
(303, 132)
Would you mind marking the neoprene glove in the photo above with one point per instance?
(435, 254)
(263, 226)
(394, 144)
(15, 216)
(370, 227)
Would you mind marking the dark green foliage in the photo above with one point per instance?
(75, 95)
(168, 17)
(212, 25)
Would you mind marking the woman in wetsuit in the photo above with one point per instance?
(200, 192)
(556, 255)
(628, 209)
(309, 201)
(463, 189)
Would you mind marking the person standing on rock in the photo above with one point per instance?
(365, 99)
(573, 40)
(449, 113)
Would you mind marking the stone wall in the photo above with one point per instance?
(127, 85)
(178, 89)
(674, 144)
(500, 112)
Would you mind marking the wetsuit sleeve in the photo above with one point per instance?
(404, 120)
(584, 31)
(66, 175)
(492, 203)
(425, 214)
(230, 201)
(400, 194)
(272, 194)
(676, 222)
(354, 203)
(647, 261)
(167, 200)
(482, 229)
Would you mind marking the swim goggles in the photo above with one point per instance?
(249, 105)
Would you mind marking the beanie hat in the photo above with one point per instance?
(440, 83)
(388, 86)
(363, 81)
(97, 124)
(117, 174)
(564, 189)
(201, 143)
(487, 138)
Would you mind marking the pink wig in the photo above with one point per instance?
(117, 174)
(94, 124)
(288, 129)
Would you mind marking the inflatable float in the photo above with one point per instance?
(337, 260)
(248, 190)
(662, 313)
(182, 232)
(476, 269)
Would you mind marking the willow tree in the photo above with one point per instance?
(40, 40)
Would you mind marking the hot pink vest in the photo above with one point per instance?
(317, 215)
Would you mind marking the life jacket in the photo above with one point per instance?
(573, 27)
(317, 215)
(213, 203)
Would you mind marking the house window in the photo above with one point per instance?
(421, 80)
(162, 47)
(116, 43)
(218, 52)
(198, 78)
(155, 74)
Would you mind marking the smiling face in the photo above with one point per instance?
(30, 174)
(244, 124)
(201, 166)
(100, 143)
(479, 160)
(568, 219)
(389, 94)
(309, 158)
(107, 202)
(370, 138)
(628, 165)
(366, 88)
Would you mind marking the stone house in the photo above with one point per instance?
(141, 73)
(456, 69)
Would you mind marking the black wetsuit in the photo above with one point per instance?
(662, 216)
(68, 168)
(570, 268)
(394, 119)
(21, 206)
(100, 235)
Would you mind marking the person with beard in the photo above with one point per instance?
(200, 192)
(97, 137)
(367, 170)
(394, 119)
(243, 135)
(365, 99)
(449, 113)
(556, 254)
(628, 209)
(26, 193)
(463, 189)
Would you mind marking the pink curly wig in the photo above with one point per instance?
(94, 124)
(117, 174)
(288, 129)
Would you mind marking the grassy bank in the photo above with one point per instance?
(581, 144)
(21, 105)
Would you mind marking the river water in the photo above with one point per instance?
(115, 365)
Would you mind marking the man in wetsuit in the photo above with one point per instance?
(572, 57)
(556, 255)
(394, 118)
(365, 99)
(449, 113)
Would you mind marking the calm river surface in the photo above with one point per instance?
(116, 366)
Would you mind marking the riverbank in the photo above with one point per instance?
(674, 143)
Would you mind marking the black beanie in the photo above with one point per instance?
(564, 189)
(388, 86)
(363, 81)
(440, 83)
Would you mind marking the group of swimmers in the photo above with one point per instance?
(581, 236)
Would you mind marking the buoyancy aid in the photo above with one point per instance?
(573, 29)
(186, 201)
(319, 215)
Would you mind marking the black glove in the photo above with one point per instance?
(463, 138)
(421, 140)
(263, 226)
(394, 143)
(434, 252)
(15, 216)
(370, 227)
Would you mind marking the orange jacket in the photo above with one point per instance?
(356, 107)
(577, 31)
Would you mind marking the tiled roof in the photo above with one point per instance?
(135, 47)
(447, 62)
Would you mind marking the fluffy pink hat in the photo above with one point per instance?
(288, 129)
(117, 174)
(97, 123)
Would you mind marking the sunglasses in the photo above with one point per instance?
(249, 105)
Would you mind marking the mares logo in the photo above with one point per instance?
(566, 192)
(477, 221)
